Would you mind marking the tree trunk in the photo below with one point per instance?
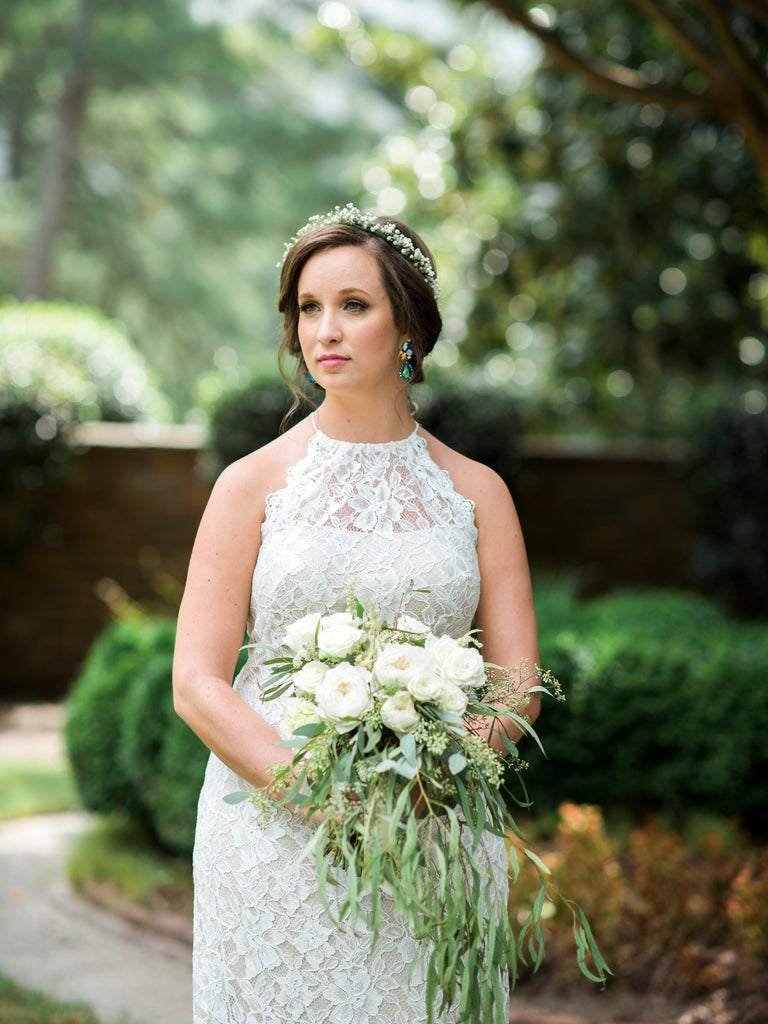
(58, 168)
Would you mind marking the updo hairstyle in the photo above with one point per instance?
(414, 306)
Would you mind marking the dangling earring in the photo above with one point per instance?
(406, 361)
(310, 378)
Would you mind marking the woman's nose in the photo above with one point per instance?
(328, 329)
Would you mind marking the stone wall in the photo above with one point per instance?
(124, 524)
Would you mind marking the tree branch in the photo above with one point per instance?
(614, 80)
(685, 33)
(747, 70)
(756, 9)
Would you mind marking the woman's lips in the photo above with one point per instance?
(331, 361)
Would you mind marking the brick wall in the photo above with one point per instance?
(126, 520)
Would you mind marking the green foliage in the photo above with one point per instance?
(74, 364)
(94, 723)
(130, 752)
(581, 236)
(188, 178)
(22, 1006)
(248, 418)
(727, 474)
(666, 707)
(28, 788)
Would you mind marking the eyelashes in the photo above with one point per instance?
(353, 305)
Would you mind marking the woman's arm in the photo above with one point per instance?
(211, 626)
(505, 613)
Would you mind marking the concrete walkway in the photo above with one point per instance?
(53, 941)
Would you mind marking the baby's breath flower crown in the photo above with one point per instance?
(355, 218)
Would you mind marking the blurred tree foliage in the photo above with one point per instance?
(153, 162)
(716, 56)
(604, 259)
(613, 255)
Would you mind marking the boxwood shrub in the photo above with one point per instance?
(667, 707)
(129, 750)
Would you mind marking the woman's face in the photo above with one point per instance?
(346, 329)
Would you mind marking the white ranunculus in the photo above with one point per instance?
(344, 696)
(309, 677)
(298, 711)
(464, 667)
(399, 713)
(404, 667)
(301, 634)
(442, 647)
(453, 698)
(338, 636)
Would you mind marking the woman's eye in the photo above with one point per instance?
(357, 305)
(307, 307)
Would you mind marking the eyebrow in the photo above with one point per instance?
(342, 291)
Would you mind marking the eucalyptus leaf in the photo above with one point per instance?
(236, 798)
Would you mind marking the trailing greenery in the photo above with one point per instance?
(130, 752)
(728, 479)
(667, 706)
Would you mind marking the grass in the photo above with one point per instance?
(118, 855)
(28, 788)
(22, 1006)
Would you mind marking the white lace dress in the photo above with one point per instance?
(265, 951)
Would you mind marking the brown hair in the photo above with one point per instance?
(414, 306)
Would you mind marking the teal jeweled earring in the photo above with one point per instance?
(310, 378)
(406, 361)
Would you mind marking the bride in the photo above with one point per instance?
(357, 491)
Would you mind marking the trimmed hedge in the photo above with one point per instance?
(129, 751)
(667, 707)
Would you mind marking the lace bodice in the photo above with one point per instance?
(376, 515)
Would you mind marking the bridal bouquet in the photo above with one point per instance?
(389, 760)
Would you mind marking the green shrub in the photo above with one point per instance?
(94, 721)
(727, 475)
(129, 750)
(667, 707)
(245, 419)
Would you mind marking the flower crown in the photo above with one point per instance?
(355, 218)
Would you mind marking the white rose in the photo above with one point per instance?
(464, 667)
(344, 696)
(338, 635)
(308, 678)
(399, 713)
(298, 711)
(453, 698)
(403, 667)
(301, 634)
(442, 647)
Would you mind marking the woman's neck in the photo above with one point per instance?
(372, 423)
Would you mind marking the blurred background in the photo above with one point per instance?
(591, 179)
